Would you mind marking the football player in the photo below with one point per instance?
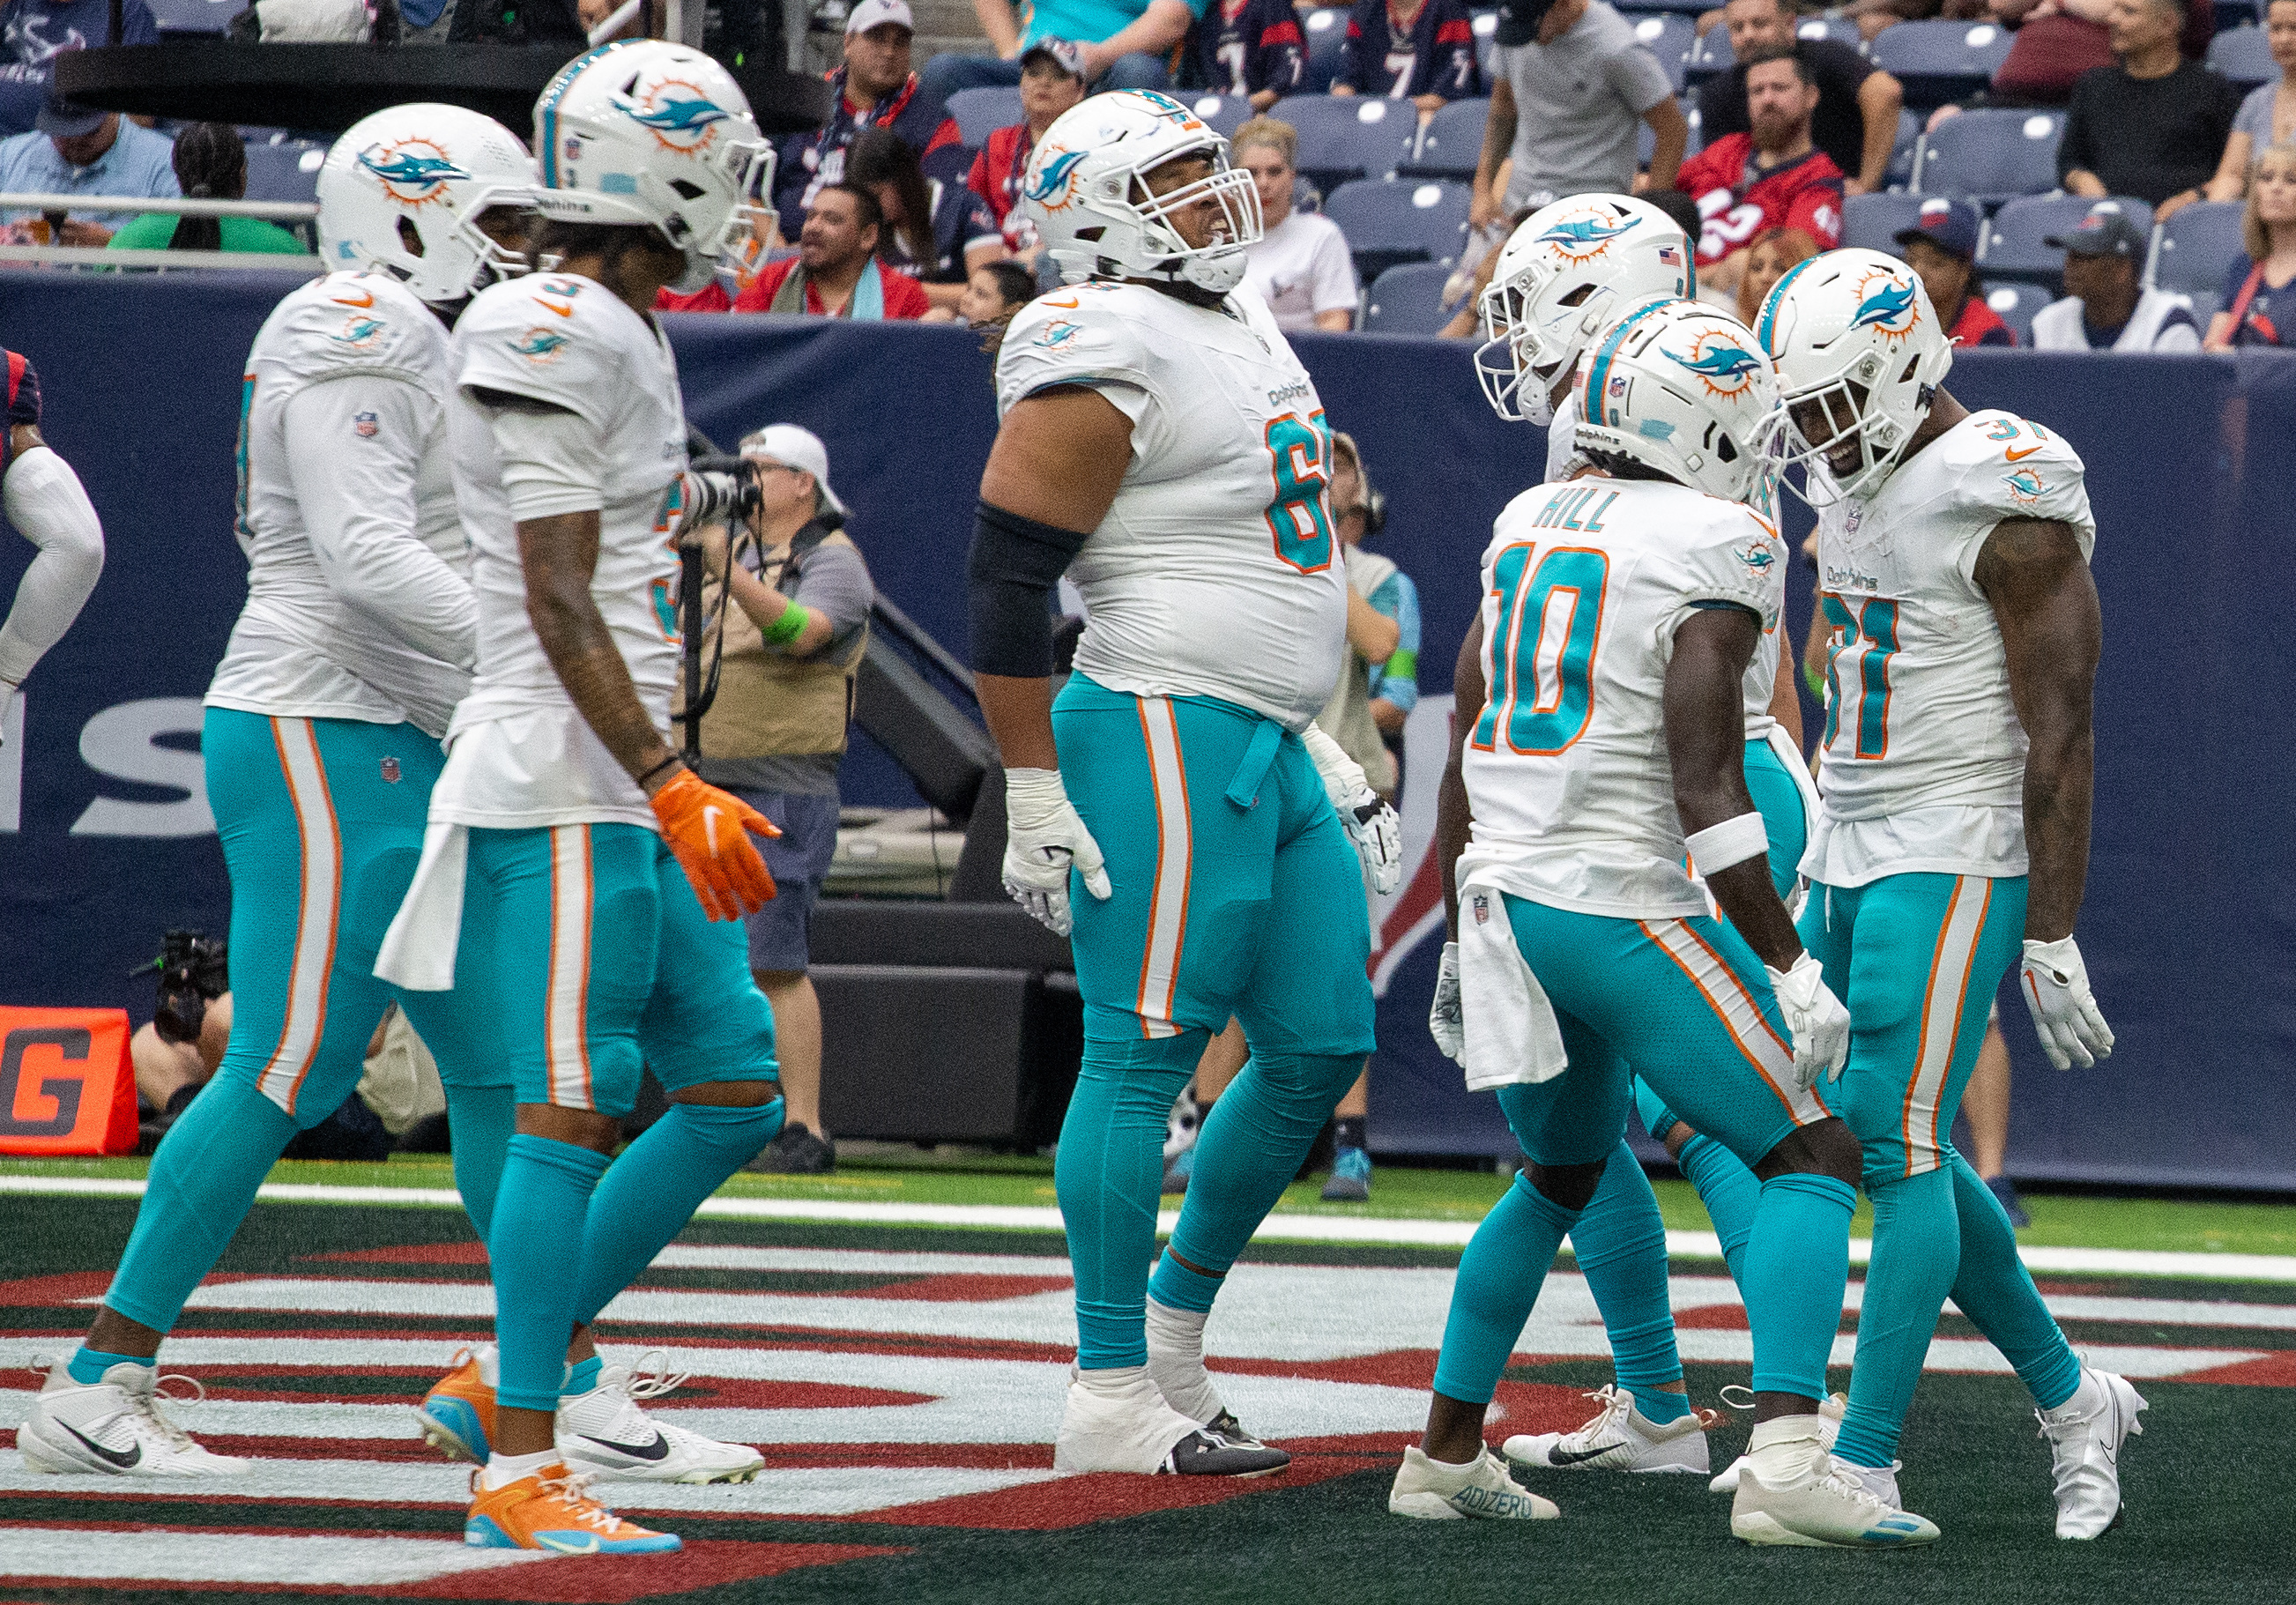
(572, 859)
(1176, 809)
(321, 737)
(46, 500)
(1600, 742)
(1952, 554)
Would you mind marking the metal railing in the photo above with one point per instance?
(287, 211)
(84, 255)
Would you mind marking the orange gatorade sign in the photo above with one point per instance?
(66, 1084)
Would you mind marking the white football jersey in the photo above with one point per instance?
(521, 754)
(1924, 758)
(1217, 571)
(1567, 770)
(342, 457)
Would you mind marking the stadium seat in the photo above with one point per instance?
(1647, 137)
(2012, 246)
(981, 112)
(1939, 60)
(2233, 13)
(2242, 56)
(1450, 144)
(1899, 173)
(2015, 305)
(1395, 221)
(2193, 248)
(1990, 156)
(1668, 36)
(284, 172)
(179, 19)
(1712, 56)
(1224, 112)
(1408, 300)
(1872, 222)
(1348, 136)
(1326, 27)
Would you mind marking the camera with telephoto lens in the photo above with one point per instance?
(718, 489)
(192, 971)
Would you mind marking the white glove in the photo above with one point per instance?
(1370, 825)
(1043, 836)
(1443, 1017)
(1819, 1023)
(2055, 984)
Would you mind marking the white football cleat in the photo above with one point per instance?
(2085, 1452)
(1434, 1490)
(1619, 1438)
(113, 1428)
(1880, 1481)
(1829, 1427)
(1791, 1493)
(604, 1433)
(1120, 1422)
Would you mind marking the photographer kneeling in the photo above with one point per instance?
(793, 641)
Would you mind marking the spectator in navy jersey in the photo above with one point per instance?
(1253, 49)
(936, 231)
(33, 33)
(1421, 51)
(874, 89)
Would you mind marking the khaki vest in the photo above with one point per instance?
(769, 705)
(1347, 717)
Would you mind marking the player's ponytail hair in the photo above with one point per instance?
(210, 163)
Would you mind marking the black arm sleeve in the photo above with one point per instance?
(1015, 562)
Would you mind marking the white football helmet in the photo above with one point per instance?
(650, 133)
(430, 170)
(1681, 387)
(1568, 270)
(1860, 354)
(1085, 192)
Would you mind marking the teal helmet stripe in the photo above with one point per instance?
(1770, 304)
(1598, 373)
(545, 110)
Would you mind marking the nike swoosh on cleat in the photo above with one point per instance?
(122, 1458)
(657, 1450)
(1559, 1456)
(587, 1544)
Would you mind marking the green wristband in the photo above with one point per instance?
(788, 628)
(1815, 681)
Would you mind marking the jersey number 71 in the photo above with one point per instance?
(1546, 630)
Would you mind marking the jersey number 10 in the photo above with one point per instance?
(1548, 628)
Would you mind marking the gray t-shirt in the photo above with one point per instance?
(834, 581)
(2254, 120)
(1576, 102)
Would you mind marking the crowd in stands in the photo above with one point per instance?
(1405, 137)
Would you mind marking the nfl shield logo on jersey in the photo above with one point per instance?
(365, 425)
(390, 771)
(1482, 909)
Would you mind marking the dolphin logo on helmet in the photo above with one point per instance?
(1050, 187)
(413, 171)
(1883, 307)
(1727, 368)
(1581, 238)
(685, 122)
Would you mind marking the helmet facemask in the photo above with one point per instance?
(1217, 265)
(1811, 429)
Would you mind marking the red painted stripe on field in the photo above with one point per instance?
(404, 1254)
(1106, 1496)
(2266, 1371)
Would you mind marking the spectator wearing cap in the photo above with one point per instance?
(1121, 44)
(836, 273)
(1941, 247)
(793, 641)
(1856, 123)
(210, 164)
(2106, 308)
(2259, 279)
(33, 33)
(76, 151)
(1771, 176)
(2155, 125)
(1052, 78)
(1570, 83)
(1300, 265)
(1251, 49)
(2269, 115)
(936, 231)
(874, 89)
(1421, 51)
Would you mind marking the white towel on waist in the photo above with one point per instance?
(418, 950)
(1512, 1035)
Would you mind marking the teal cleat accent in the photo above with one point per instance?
(1351, 1181)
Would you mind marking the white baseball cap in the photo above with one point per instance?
(876, 13)
(790, 445)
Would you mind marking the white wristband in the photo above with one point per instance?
(1717, 847)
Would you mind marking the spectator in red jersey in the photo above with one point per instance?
(874, 89)
(1770, 177)
(936, 232)
(1856, 122)
(2153, 127)
(835, 272)
(1253, 49)
(1941, 247)
(1421, 51)
(1052, 80)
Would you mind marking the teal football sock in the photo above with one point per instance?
(1731, 1193)
(201, 1184)
(1176, 1287)
(480, 1121)
(1250, 1148)
(1498, 1281)
(1620, 1242)
(1997, 1293)
(1657, 1118)
(537, 1228)
(1108, 1174)
(1916, 1255)
(582, 1376)
(656, 1184)
(88, 1365)
(1797, 1271)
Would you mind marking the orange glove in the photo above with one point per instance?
(709, 830)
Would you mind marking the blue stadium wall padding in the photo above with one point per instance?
(102, 841)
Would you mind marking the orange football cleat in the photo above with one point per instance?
(458, 1414)
(552, 1510)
